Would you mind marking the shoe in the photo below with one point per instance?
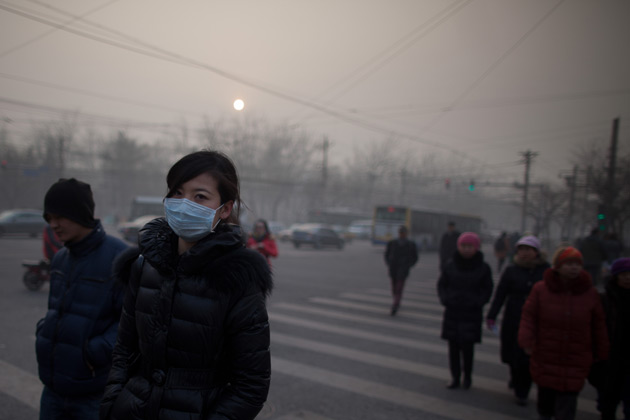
(394, 310)
(453, 385)
(467, 383)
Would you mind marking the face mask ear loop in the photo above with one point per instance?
(218, 221)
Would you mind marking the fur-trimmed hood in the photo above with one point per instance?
(220, 256)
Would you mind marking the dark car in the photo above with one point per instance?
(317, 236)
(22, 221)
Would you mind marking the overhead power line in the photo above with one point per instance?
(496, 63)
(178, 59)
(43, 35)
(95, 94)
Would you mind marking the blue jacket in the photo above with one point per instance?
(76, 337)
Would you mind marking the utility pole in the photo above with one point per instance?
(528, 157)
(572, 182)
(610, 184)
(325, 162)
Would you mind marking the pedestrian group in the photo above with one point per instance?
(177, 327)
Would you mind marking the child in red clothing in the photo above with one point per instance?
(262, 241)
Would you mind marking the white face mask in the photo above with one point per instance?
(189, 220)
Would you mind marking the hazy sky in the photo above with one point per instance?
(485, 79)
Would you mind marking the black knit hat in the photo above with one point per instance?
(71, 199)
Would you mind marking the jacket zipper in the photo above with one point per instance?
(63, 299)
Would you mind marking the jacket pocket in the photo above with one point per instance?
(86, 359)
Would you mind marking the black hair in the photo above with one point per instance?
(215, 164)
(264, 222)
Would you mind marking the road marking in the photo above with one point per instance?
(20, 384)
(302, 415)
(373, 308)
(422, 369)
(399, 396)
(381, 338)
(409, 303)
(406, 294)
(388, 323)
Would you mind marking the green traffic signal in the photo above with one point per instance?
(601, 216)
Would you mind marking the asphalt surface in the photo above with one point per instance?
(337, 354)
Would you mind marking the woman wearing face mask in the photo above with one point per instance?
(516, 282)
(193, 340)
(261, 241)
(464, 286)
(562, 325)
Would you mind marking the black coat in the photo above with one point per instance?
(616, 305)
(465, 285)
(400, 256)
(514, 287)
(448, 247)
(193, 339)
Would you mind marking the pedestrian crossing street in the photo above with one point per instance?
(350, 336)
(329, 327)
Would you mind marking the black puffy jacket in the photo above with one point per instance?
(193, 340)
(465, 285)
(516, 282)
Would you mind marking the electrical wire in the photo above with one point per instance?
(496, 63)
(45, 34)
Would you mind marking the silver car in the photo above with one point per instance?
(22, 221)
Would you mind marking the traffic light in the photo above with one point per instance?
(471, 186)
(601, 217)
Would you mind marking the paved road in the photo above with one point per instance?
(337, 354)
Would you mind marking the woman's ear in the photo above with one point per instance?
(226, 210)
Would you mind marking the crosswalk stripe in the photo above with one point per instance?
(400, 396)
(391, 324)
(302, 415)
(422, 369)
(412, 295)
(20, 384)
(410, 303)
(381, 338)
(374, 309)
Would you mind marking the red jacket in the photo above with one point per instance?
(266, 246)
(563, 325)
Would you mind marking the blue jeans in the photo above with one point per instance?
(57, 407)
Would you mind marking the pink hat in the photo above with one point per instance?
(469, 238)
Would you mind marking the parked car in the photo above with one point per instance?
(317, 236)
(22, 221)
(129, 230)
(287, 234)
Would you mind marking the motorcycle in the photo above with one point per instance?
(37, 273)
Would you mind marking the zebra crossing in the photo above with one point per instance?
(362, 317)
(355, 328)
